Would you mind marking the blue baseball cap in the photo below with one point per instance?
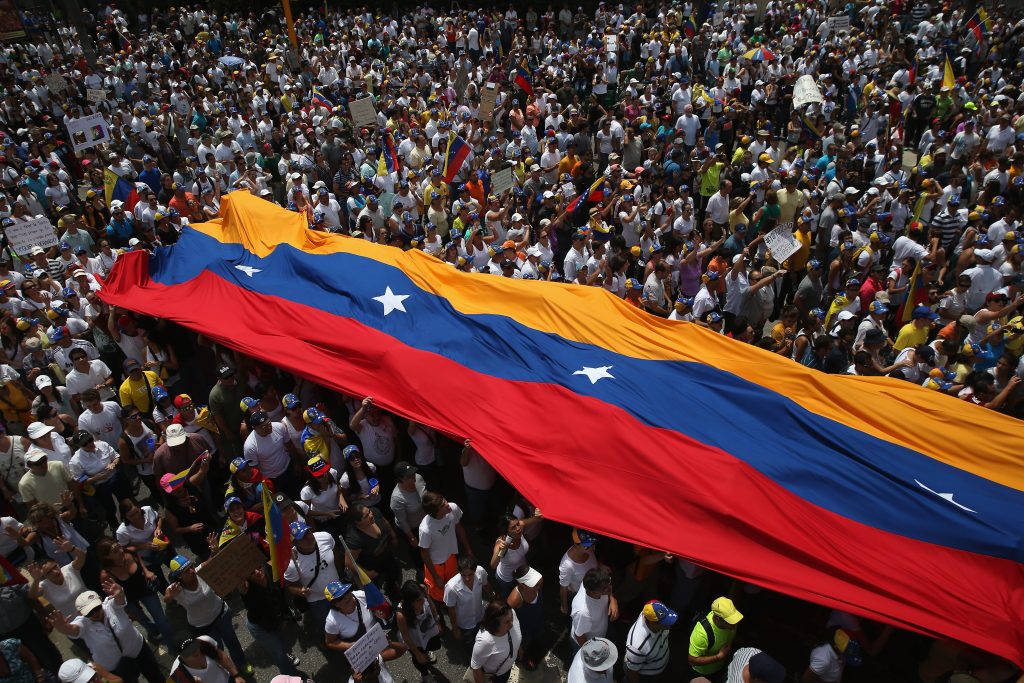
(231, 499)
(336, 590)
(584, 538)
(298, 529)
(177, 565)
(351, 450)
(924, 312)
(159, 393)
(878, 308)
(657, 612)
(290, 401)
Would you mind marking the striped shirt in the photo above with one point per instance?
(646, 651)
(949, 223)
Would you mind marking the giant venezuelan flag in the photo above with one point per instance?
(867, 494)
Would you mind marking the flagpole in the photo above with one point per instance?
(287, 6)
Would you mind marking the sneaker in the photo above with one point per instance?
(431, 658)
(247, 671)
(294, 660)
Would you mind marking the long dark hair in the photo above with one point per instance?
(353, 482)
(411, 592)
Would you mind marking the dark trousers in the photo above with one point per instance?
(32, 636)
(144, 664)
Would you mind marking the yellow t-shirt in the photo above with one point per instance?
(910, 335)
(139, 393)
(699, 644)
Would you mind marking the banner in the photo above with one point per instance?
(88, 131)
(501, 182)
(806, 91)
(11, 26)
(781, 242)
(95, 96)
(38, 232)
(363, 113)
(839, 23)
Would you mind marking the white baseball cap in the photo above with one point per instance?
(75, 671)
(176, 435)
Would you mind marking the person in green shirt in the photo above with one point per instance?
(225, 407)
(711, 639)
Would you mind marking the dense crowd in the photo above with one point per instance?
(655, 150)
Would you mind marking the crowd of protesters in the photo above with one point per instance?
(654, 149)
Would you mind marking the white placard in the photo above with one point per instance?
(88, 131)
(363, 113)
(37, 232)
(94, 95)
(839, 23)
(781, 242)
(611, 43)
(501, 181)
(806, 91)
(718, 18)
(568, 190)
(365, 650)
(488, 98)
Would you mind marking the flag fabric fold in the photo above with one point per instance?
(594, 194)
(456, 154)
(948, 79)
(865, 494)
(279, 538)
(523, 82)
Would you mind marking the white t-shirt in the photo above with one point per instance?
(570, 572)
(302, 567)
(826, 664)
(346, 626)
(477, 473)
(495, 655)
(468, 602)
(104, 425)
(269, 451)
(77, 382)
(127, 534)
(325, 501)
(378, 441)
(589, 615)
(438, 535)
(63, 597)
(202, 605)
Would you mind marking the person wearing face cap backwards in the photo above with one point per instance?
(594, 662)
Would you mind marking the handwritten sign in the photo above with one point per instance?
(839, 23)
(501, 181)
(363, 113)
(56, 83)
(88, 131)
(365, 650)
(37, 232)
(806, 91)
(568, 190)
(488, 98)
(226, 570)
(94, 95)
(781, 242)
(611, 43)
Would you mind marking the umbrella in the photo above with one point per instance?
(760, 54)
(230, 61)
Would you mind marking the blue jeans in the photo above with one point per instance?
(223, 632)
(157, 619)
(272, 643)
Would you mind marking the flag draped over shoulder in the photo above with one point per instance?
(116, 187)
(865, 494)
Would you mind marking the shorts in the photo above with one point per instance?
(445, 570)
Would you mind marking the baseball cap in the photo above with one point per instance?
(726, 610)
(298, 529)
(225, 371)
(528, 576)
(317, 466)
(175, 434)
(87, 602)
(37, 430)
(240, 463)
(924, 312)
(584, 538)
(313, 416)
(231, 499)
(182, 400)
(351, 450)
(43, 381)
(404, 469)
(634, 283)
(878, 308)
(130, 364)
(178, 564)
(336, 590)
(657, 612)
(75, 671)
(258, 418)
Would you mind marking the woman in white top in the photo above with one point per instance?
(142, 532)
(508, 555)
(359, 480)
(419, 626)
(425, 439)
(350, 618)
(204, 662)
(323, 495)
(59, 585)
(497, 645)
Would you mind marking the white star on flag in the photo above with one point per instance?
(392, 301)
(594, 374)
(248, 270)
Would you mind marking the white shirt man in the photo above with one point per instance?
(269, 450)
(104, 425)
(438, 535)
(467, 601)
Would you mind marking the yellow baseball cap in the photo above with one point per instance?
(723, 608)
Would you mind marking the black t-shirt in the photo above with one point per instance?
(924, 104)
